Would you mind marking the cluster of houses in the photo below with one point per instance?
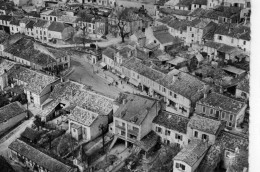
(190, 61)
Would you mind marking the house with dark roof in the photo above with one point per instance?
(37, 159)
(139, 37)
(184, 5)
(223, 108)
(178, 28)
(132, 122)
(11, 115)
(189, 158)
(235, 35)
(60, 31)
(15, 25)
(40, 30)
(205, 128)
(171, 128)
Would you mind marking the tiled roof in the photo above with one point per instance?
(233, 69)
(57, 26)
(109, 52)
(165, 37)
(40, 158)
(139, 34)
(68, 19)
(214, 45)
(172, 121)
(30, 134)
(244, 85)
(183, 84)
(6, 17)
(24, 48)
(199, 12)
(231, 141)
(148, 141)
(200, 2)
(36, 81)
(136, 109)
(42, 23)
(179, 24)
(222, 102)
(137, 66)
(226, 11)
(57, 13)
(191, 153)
(82, 116)
(165, 20)
(209, 31)
(11, 110)
(159, 28)
(170, 11)
(5, 65)
(74, 93)
(235, 31)
(30, 24)
(204, 124)
(15, 21)
(185, 3)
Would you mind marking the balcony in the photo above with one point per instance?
(133, 132)
(120, 127)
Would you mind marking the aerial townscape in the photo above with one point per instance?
(124, 85)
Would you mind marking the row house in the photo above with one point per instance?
(171, 128)
(181, 91)
(199, 4)
(84, 124)
(199, 31)
(15, 26)
(5, 22)
(177, 13)
(222, 108)
(40, 30)
(37, 85)
(178, 28)
(213, 3)
(235, 35)
(132, 121)
(36, 159)
(184, 5)
(236, 3)
(205, 128)
(87, 23)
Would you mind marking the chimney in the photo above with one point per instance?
(205, 91)
(236, 150)
(124, 101)
(61, 79)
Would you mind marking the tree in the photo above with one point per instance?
(122, 18)
(38, 122)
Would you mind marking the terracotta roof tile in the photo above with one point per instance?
(11, 110)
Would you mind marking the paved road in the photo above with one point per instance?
(83, 73)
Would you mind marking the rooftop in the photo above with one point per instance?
(172, 121)
(82, 116)
(30, 134)
(58, 26)
(136, 109)
(109, 52)
(184, 84)
(191, 153)
(75, 94)
(35, 81)
(42, 23)
(3, 36)
(205, 124)
(179, 24)
(166, 37)
(222, 102)
(11, 110)
(5, 65)
(39, 157)
(234, 70)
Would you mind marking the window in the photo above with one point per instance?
(244, 42)
(230, 124)
(203, 109)
(167, 142)
(196, 134)
(180, 166)
(232, 40)
(243, 94)
(190, 29)
(204, 136)
(50, 18)
(219, 37)
(181, 32)
(167, 132)
(123, 124)
(175, 96)
(159, 129)
(211, 111)
(123, 133)
(192, 35)
(164, 89)
(217, 114)
(230, 117)
(178, 136)
(170, 93)
(223, 115)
